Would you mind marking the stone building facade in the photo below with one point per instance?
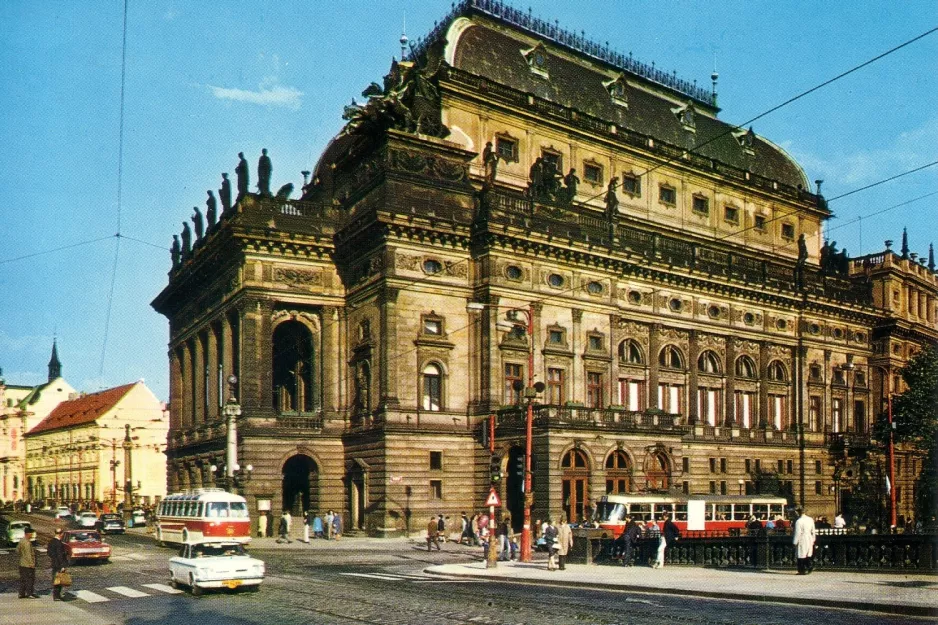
(686, 317)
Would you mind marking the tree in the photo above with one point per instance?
(915, 420)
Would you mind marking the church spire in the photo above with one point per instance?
(55, 367)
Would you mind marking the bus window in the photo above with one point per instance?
(724, 511)
(609, 512)
(741, 512)
(640, 511)
(680, 512)
(239, 510)
(217, 509)
(761, 511)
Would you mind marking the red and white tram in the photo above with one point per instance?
(203, 514)
(710, 513)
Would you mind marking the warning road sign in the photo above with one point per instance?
(493, 499)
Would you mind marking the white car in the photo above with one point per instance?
(87, 519)
(137, 519)
(62, 512)
(215, 565)
(14, 531)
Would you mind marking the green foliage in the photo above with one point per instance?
(915, 412)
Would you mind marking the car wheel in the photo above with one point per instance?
(196, 591)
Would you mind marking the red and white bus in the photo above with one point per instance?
(203, 514)
(709, 513)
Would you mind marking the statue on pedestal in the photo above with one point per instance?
(224, 194)
(186, 239)
(264, 170)
(175, 251)
(241, 171)
(211, 210)
(198, 222)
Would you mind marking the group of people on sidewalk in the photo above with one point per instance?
(667, 535)
(26, 553)
(328, 527)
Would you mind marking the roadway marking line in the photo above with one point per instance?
(128, 592)
(163, 588)
(387, 578)
(444, 581)
(90, 597)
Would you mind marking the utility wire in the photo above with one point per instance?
(881, 211)
(57, 249)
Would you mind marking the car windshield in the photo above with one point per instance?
(18, 525)
(84, 537)
(111, 517)
(203, 551)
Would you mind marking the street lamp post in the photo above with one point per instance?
(114, 464)
(128, 468)
(232, 412)
(890, 449)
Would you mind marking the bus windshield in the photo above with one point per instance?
(609, 512)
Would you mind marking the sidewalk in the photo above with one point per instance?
(45, 611)
(913, 595)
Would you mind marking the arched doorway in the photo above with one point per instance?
(575, 480)
(514, 487)
(300, 484)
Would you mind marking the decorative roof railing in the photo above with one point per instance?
(577, 42)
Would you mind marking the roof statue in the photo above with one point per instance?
(175, 251)
(264, 170)
(224, 194)
(211, 209)
(243, 175)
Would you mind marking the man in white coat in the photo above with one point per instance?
(803, 539)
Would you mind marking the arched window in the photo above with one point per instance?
(777, 372)
(618, 472)
(574, 483)
(631, 353)
(432, 387)
(708, 362)
(745, 367)
(657, 471)
(671, 358)
(292, 347)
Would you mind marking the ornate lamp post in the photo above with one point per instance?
(232, 411)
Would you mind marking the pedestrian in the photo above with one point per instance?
(337, 525)
(56, 551)
(441, 527)
(330, 517)
(670, 534)
(433, 534)
(839, 522)
(550, 539)
(262, 525)
(317, 527)
(27, 560)
(632, 534)
(564, 542)
(803, 537)
(503, 533)
(306, 524)
(284, 528)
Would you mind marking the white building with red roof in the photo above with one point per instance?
(102, 447)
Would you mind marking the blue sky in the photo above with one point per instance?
(207, 80)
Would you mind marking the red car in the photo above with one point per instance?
(85, 545)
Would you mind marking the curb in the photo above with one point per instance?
(864, 606)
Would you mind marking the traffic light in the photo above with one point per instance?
(495, 469)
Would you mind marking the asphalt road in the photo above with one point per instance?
(386, 587)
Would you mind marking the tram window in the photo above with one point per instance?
(663, 508)
(175, 510)
(641, 511)
(724, 511)
(218, 509)
(610, 512)
(200, 511)
(775, 509)
(680, 512)
(239, 510)
(761, 510)
(741, 512)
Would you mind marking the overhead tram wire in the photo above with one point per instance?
(881, 211)
(120, 177)
(57, 249)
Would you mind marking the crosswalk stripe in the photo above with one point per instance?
(388, 578)
(163, 588)
(90, 597)
(128, 592)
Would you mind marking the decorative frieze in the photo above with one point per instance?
(298, 278)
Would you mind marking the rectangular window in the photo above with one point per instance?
(436, 490)
(814, 413)
(758, 465)
(836, 410)
(731, 214)
(436, 460)
(432, 389)
(685, 488)
(817, 467)
(595, 343)
(898, 494)
(722, 488)
(744, 403)
(818, 488)
(788, 467)
(778, 411)
(685, 464)
(898, 466)
(859, 415)
(555, 386)
(701, 205)
(788, 232)
(593, 173)
(722, 465)
(552, 160)
(760, 223)
(708, 405)
(594, 389)
(514, 383)
(713, 487)
(713, 465)
(748, 465)
(781, 467)
(630, 394)
(433, 327)
(507, 149)
(555, 337)
(667, 195)
(632, 185)
(669, 398)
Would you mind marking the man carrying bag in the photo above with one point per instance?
(60, 577)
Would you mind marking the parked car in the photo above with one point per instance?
(62, 512)
(110, 523)
(13, 531)
(215, 565)
(87, 519)
(138, 518)
(85, 545)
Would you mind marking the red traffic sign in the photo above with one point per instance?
(493, 499)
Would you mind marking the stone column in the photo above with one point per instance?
(577, 375)
(332, 356)
(189, 381)
(654, 345)
(176, 388)
(693, 399)
(730, 395)
(828, 417)
(256, 377)
(388, 349)
(763, 384)
(198, 379)
(212, 361)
